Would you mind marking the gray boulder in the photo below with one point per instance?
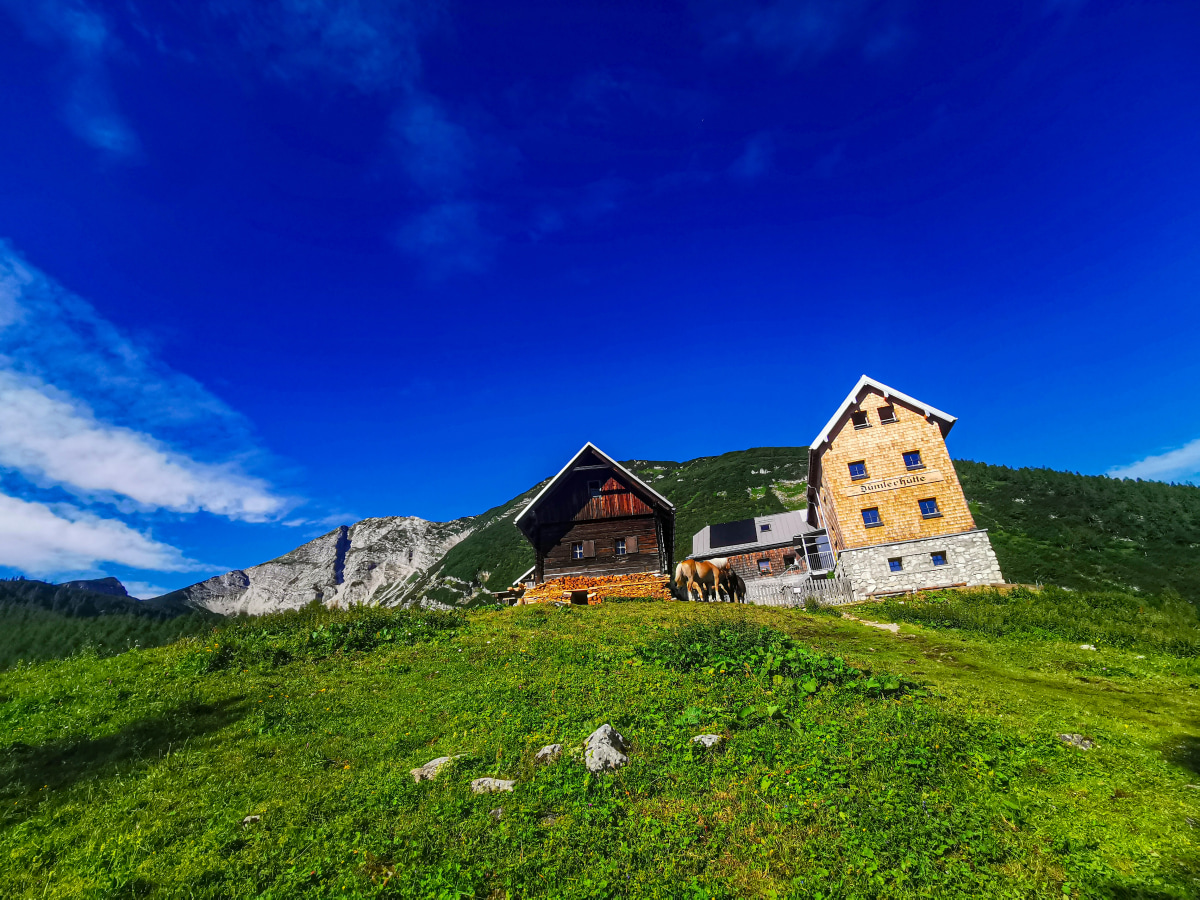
(429, 771)
(548, 754)
(708, 741)
(497, 813)
(1077, 740)
(491, 785)
(604, 750)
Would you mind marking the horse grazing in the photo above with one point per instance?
(712, 576)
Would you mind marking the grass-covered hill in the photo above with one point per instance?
(270, 758)
(1079, 531)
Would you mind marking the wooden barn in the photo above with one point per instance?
(597, 518)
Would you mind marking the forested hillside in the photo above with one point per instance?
(1088, 531)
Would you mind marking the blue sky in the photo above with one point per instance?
(268, 267)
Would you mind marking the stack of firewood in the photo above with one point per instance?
(652, 587)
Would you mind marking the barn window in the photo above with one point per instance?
(593, 488)
(929, 508)
(912, 460)
(887, 415)
(860, 420)
(764, 566)
(577, 550)
(871, 517)
(620, 546)
(895, 564)
(939, 559)
(858, 470)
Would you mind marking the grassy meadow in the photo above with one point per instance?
(857, 763)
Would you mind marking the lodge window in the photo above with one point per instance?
(887, 415)
(912, 460)
(858, 470)
(620, 546)
(789, 560)
(860, 420)
(764, 566)
(929, 508)
(871, 517)
(896, 564)
(593, 489)
(577, 550)
(939, 559)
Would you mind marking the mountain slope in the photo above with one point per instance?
(341, 568)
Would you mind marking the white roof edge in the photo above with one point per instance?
(888, 392)
(565, 469)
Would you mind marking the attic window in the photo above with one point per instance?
(577, 550)
(620, 546)
(593, 488)
(887, 415)
(912, 460)
(858, 470)
(765, 526)
(860, 419)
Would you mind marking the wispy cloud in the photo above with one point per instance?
(84, 35)
(1182, 464)
(40, 540)
(51, 437)
(87, 410)
(755, 160)
(144, 590)
(799, 32)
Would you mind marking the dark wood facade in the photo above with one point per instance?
(595, 518)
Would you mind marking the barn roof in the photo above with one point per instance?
(945, 420)
(652, 496)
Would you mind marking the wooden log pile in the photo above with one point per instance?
(653, 587)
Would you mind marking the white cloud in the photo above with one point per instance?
(89, 108)
(144, 590)
(1182, 464)
(49, 436)
(39, 540)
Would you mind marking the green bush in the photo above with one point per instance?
(317, 633)
(1166, 623)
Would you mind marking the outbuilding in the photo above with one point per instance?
(597, 518)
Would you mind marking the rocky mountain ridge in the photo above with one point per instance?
(339, 569)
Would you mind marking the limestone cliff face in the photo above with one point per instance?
(340, 568)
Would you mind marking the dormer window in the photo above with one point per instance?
(887, 415)
(912, 460)
(858, 470)
(593, 488)
(860, 419)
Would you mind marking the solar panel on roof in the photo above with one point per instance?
(729, 533)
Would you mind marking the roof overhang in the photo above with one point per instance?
(944, 420)
(530, 508)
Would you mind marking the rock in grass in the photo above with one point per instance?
(708, 741)
(1076, 740)
(429, 771)
(1087, 646)
(251, 820)
(497, 813)
(604, 750)
(490, 785)
(548, 754)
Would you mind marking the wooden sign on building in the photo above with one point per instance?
(595, 517)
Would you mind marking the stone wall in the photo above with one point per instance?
(970, 561)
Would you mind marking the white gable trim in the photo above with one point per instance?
(931, 412)
(569, 466)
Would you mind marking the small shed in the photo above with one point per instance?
(596, 518)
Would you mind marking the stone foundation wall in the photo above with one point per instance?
(970, 561)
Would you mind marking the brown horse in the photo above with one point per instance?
(709, 577)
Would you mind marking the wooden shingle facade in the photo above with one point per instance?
(595, 517)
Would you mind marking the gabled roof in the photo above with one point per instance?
(945, 420)
(659, 499)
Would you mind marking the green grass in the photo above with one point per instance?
(130, 776)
